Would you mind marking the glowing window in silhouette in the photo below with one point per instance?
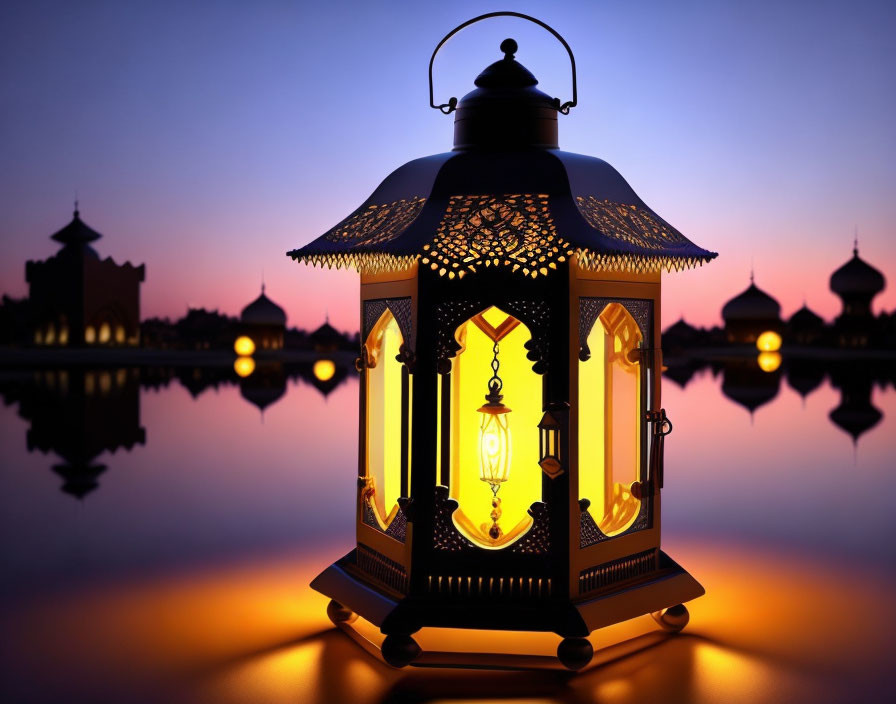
(90, 334)
(384, 379)
(105, 334)
(469, 383)
(119, 334)
(610, 420)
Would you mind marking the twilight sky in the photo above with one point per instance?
(205, 139)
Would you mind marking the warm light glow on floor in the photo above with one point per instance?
(772, 627)
(244, 346)
(324, 369)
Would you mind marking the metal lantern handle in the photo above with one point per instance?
(451, 105)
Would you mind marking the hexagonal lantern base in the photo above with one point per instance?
(660, 594)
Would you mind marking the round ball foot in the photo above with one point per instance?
(672, 619)
(575, 653)
(338, 613)
(400, 650)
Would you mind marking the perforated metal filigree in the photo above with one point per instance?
(400, 309)
(377, 223)
(629, 223)
(589, 533)
(640, 309)
(537, 539)
(445, 535)
(449, 315)
(512, 230)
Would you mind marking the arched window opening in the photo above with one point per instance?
(387, 404)
(610, 420)
(493, 445)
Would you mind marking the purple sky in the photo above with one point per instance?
(206, 139)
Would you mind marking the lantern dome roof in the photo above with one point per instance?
(752, 304)
(857, 277)
(506, 196)
(263, 311)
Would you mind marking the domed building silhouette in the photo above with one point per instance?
(749, 314)
(856, 283)
(79, 299)
(805, 327)
(265, 322)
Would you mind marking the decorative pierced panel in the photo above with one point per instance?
(401, 310)
(629, 223)
(621, 570)
(591, 308)
(511, 230)
(377, 223)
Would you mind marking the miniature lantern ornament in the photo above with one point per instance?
(508, 266)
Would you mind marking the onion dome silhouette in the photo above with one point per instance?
(805, 319)
(506, 196)
(263, 311)
(752, 304)
(857, 277)
(81, 479)
(326, 338)
(750, 313)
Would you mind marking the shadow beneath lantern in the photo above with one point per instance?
(78, 414)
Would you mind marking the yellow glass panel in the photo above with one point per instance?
(384, 415)
(610, 420)
(471, 371)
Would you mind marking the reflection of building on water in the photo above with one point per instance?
(265, 385)
(325, 375)
(805, 377)
(855, 414)
(747, 384)
(264, 322)
(78, 299)
(79, 414)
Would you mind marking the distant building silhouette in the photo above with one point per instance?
(856, 283)
(326, 338)
(265, 322)
(805, 327)
(749, 314)
(78, 299)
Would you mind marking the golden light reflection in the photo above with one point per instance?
(769, 361)
(324, 369)
(244, 346)
(808, 638)
(769, 341)
(244, 366)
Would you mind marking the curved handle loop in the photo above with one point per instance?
(451, 105)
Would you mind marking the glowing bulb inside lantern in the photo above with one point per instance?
(494, 445)
(244, 346)
(769, 341)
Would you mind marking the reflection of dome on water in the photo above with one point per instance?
(855, 414)
(265, 386)
(750, 313)
(747, 385)
(324, 375)
(804, 377)
(80, 480)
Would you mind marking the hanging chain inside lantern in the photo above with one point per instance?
(494, 444)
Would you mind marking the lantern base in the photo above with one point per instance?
(398, 617)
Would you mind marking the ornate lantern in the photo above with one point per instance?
(509, 267)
